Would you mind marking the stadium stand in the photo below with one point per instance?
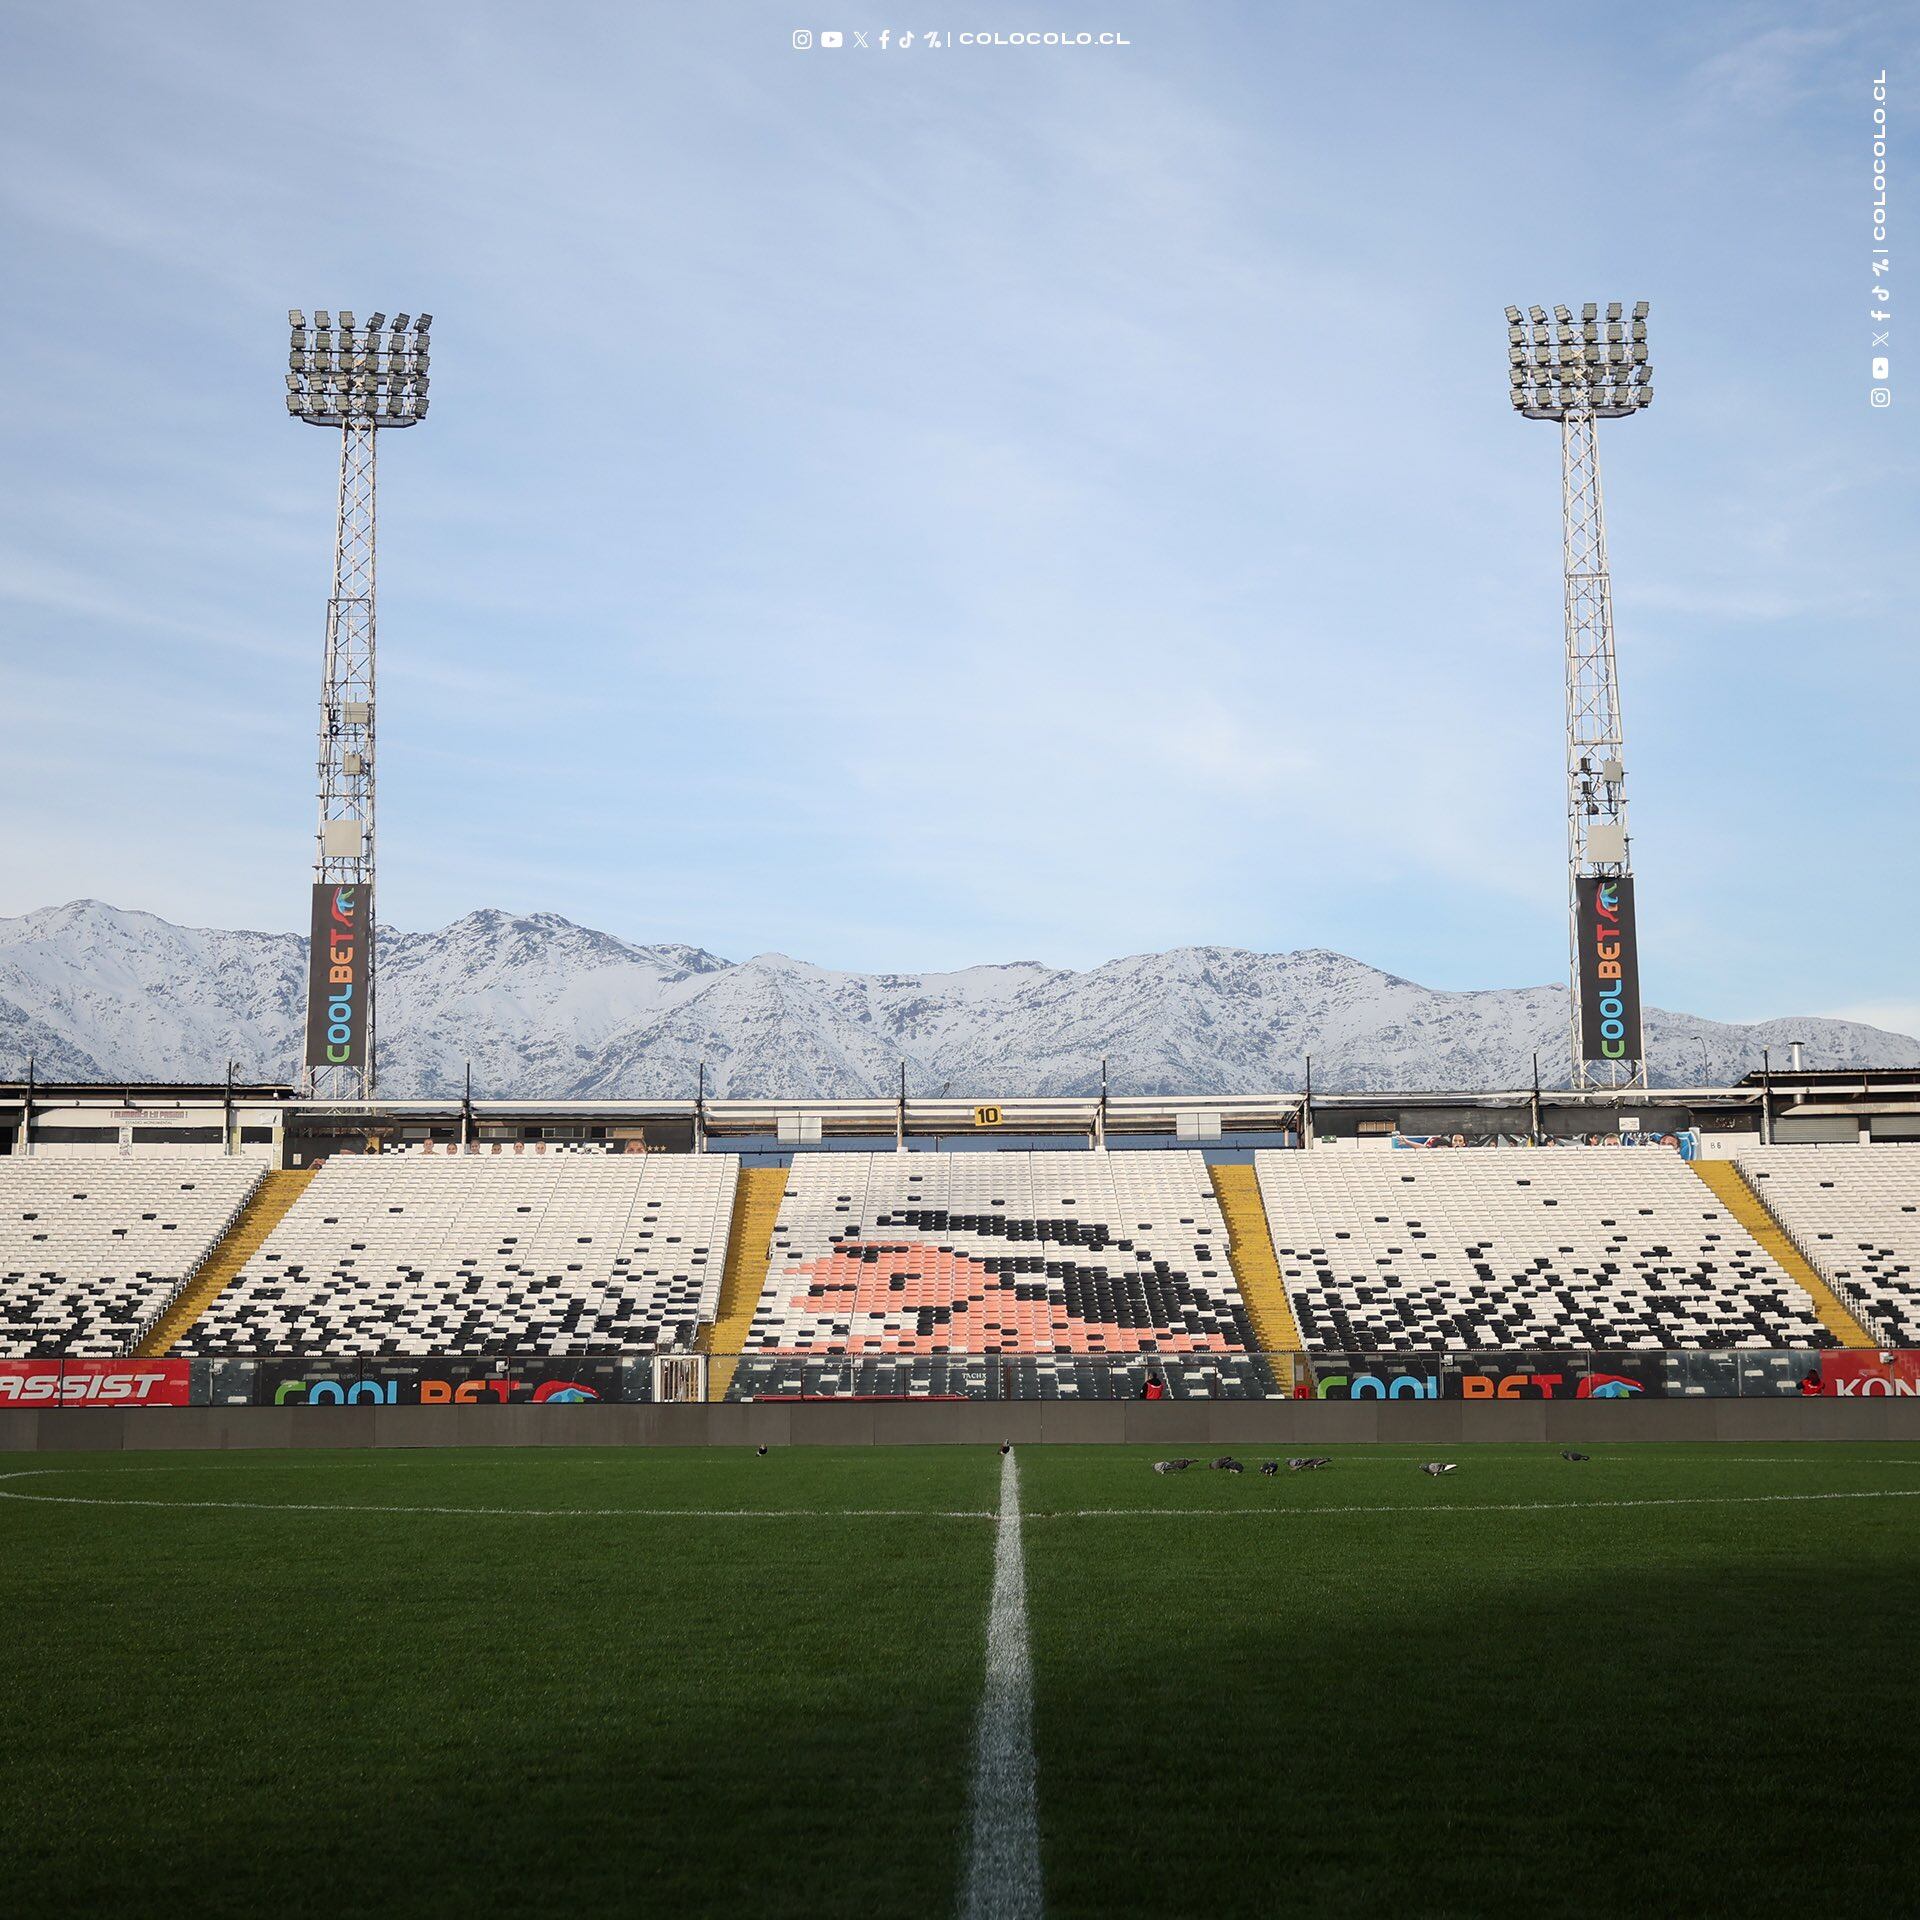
(241, 1241)
(605, 1253)
(91, 1252)
(1854, 1212)
(756, 1212)
(1401, 1251)
(1736, 1194)
(1255, 1267)
(921, 1273)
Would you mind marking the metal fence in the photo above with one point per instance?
(680, 1375)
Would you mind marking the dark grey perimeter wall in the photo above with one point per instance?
(1182, 1424)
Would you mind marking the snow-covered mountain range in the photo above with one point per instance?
(543, 1007)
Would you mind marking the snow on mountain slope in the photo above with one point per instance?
(542, 1006)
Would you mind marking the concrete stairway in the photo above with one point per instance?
(1745, 1205)
(756, 1206)
(1250, 1249)
(258, 1218)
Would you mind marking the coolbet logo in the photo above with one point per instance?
(1511, 1386)
(340, 970)
(427, 1392)
(1606, 948)
(1373, 1386)
(1608, 1386)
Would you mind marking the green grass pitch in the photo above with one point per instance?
(697, 1681)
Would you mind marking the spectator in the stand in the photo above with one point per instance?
(1155, 1389)
(1810, 1384)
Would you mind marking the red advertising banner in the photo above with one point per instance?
(94, 1383)
(1862, 1374)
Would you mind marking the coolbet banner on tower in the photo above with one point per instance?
(1609, 969)
(337, 975)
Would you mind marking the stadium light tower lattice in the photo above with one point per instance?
(359, 378)
(1580, 372)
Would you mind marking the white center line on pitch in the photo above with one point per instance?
(1003, 1859)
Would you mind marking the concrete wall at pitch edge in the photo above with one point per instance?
(1173, 1425)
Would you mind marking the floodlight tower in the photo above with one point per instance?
(1580, 372)
(360, 379)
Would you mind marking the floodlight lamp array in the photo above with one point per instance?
(344, 372)
(1557, 365)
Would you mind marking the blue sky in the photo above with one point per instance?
(912, 508)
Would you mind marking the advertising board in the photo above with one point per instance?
(95, 1383)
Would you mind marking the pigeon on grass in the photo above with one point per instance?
(1268, 1468)
(1437, 1467)
(1228, 1464)
(1576, 1456)
(1171, 1466)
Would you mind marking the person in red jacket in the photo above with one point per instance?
(1155, 1389)
(1810, 1383)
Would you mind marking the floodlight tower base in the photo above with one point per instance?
(347, 715)
(1596, 796)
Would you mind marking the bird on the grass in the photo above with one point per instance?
(761, 1451)
(1437, 1467)
(1006, 1446)
(1269, 1468)
(1228, 1464)
(1576, 1456)
(1308, 1462)
(1171, 1466)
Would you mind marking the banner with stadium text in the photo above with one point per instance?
(95, 1383)
(1609, 968)
(342, 938)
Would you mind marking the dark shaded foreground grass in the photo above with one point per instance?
(226, 1712)
(1680, 1709)
(1248, 1699)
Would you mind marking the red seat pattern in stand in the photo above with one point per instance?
(1000, 1254)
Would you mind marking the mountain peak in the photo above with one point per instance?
(540, 1005)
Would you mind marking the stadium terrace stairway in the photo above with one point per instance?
(1255, 1266)
(258, 1218)
(1740, 1200)
(756, 1207)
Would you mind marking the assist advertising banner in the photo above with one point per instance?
(95, 1383)
(1609, 968)
(341, 941)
